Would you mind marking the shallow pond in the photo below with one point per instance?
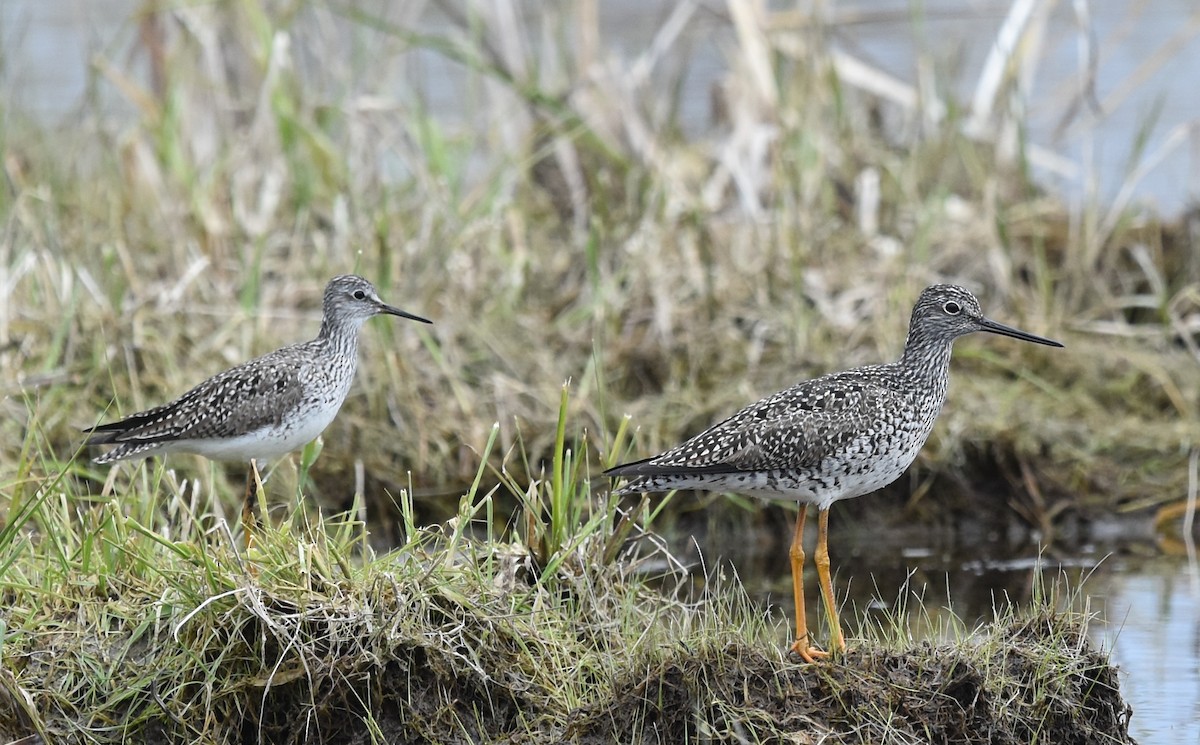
(1146, 606)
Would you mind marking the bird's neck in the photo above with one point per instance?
(926, 365)
(340, 336)
(927, 358)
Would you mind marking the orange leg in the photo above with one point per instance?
(253, 484)
(803, 645)
(838, 642)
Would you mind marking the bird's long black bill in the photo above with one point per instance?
(1000, 328)
(383, 308)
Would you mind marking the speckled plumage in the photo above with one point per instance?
(839, 436)
(266, 407)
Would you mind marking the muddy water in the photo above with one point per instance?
(1146, 606)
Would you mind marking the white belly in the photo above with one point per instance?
(262, 444)
(855, 472)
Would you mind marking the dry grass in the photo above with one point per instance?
(565, 230)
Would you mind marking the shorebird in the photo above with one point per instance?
(835, 437)
(264, 408)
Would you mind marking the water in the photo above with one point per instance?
(1148, 610)
(1151, 622)
(1129, 90)
(1145, 605)
(48, 47)
(1147, 613)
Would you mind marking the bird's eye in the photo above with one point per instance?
(360, 295)
(952, 308)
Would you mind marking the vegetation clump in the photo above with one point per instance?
(453, 640)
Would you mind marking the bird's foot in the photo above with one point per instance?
(807, 651)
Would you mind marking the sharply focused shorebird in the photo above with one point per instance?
(839, 436)
(264, 408)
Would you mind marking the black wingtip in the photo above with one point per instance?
(103, 434)
(112, 432)
(647, 467)
(103, 438)
(623, 470)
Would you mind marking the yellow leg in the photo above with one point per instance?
(253, 484)
(803, 645)
(837, 642)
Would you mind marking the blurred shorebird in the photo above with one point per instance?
(264, 408)
(835, 437)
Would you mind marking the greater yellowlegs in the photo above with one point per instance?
(836, 437)
(264, 408)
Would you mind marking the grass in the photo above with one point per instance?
(565, 226)
(125, 634)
